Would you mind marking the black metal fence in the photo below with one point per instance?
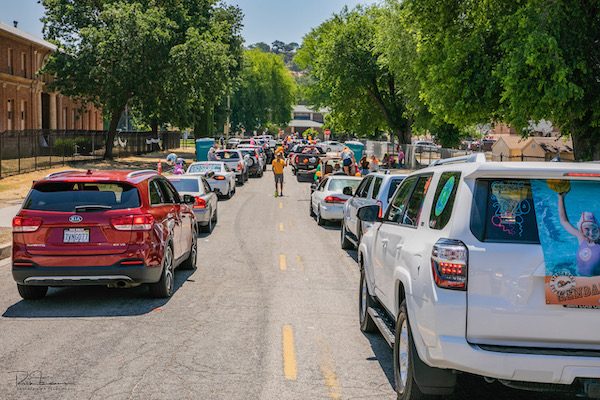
(32, 150)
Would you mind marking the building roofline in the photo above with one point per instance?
(18, 33)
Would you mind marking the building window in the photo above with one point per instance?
(23, 64)
(23, 114)
(10, 61)
(9, 109)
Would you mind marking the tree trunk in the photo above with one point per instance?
(204, 127)
(154, 127)
(112, 131)
(586, 144)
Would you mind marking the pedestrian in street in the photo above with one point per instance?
(364, 165)
(347, 156)
(279, 165)
(400, 157)
(373, 164)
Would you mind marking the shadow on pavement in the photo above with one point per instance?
(383, 355)
(93, 301)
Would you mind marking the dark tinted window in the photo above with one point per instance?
(443, 202)
(186, 185)
(155, 195)
(169, 194)
(66, 196)
(393, 186)
(376, 187)
(503, 211)
(207, 188)
(397, 207)
(363, 189)
(415, 204)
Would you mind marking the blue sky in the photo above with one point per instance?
(264, 21)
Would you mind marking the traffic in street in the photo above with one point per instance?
(271, 312)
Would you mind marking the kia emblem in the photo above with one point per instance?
(75, 219)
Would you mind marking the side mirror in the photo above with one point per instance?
(189, 199)
(209, 174)
(369, 213)
(348, 191)
(313, 187)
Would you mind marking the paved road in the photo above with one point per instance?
(271, 313)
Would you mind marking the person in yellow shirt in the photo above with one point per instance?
(279, 165)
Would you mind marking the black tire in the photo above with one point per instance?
(312, 212)
(229, 194)
(164, 287)
(241, 181)
(190, 262)
(367, 324)
(438, 381)
(216, 217)
(32, 292)
(208, 227)
(294, 171)
(346, 244)
(320, 220)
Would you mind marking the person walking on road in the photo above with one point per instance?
(347, 156)
(279, 165)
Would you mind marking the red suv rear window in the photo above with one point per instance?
(67, 196)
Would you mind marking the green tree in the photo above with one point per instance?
(262, 46)
(351, 76)
(109, 52)
(265, 94)
(513, 62)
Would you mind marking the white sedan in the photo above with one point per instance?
(328, 199)
(332, 146)
(218, 175)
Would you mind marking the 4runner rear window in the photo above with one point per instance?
(503, 211)
(67, 196)
(443, 202)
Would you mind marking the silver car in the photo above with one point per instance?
(327, 201)
(377, 188)
(205, 206)
(218, 175)
(236, 162)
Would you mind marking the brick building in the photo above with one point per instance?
(25, 102)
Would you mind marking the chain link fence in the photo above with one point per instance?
(32, 150)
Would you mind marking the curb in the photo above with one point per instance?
(5, 250)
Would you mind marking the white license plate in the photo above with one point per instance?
(77, 235)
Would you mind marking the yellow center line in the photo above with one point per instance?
(300, 263)
(290, 369)
(280, 204)
(327, 367)
(280, 227)
(282, 262)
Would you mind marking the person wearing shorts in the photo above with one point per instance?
(278, 167)
(347, 156)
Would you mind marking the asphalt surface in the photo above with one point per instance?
(270, 313)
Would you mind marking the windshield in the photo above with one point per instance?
(338, 185)
(195, 168)
(186, 185)
(228, 155)
(67, 196)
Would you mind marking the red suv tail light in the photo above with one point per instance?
(200, 203)
(240, 166)
(133, 222)
(296, 159)
(334, 199)
(25, 224)
(449, 262)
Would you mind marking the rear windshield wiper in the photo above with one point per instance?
(92, 207)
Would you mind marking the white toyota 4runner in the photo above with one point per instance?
(491, 269)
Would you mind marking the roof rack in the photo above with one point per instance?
(471, 158)
(142, 172)
(55, 174)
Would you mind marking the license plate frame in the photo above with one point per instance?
(76, 235)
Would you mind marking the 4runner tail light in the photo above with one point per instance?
(219, 178)
(296, 160)
(200, 203)
(133, 222)
(240, 166)
(380, 213)
(334, 199)
(449, 262)
(24, 224)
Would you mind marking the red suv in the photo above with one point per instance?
(115, 228)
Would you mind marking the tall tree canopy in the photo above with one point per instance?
(266, 92)
(351, 76)
(116, 53)
(512, 61)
